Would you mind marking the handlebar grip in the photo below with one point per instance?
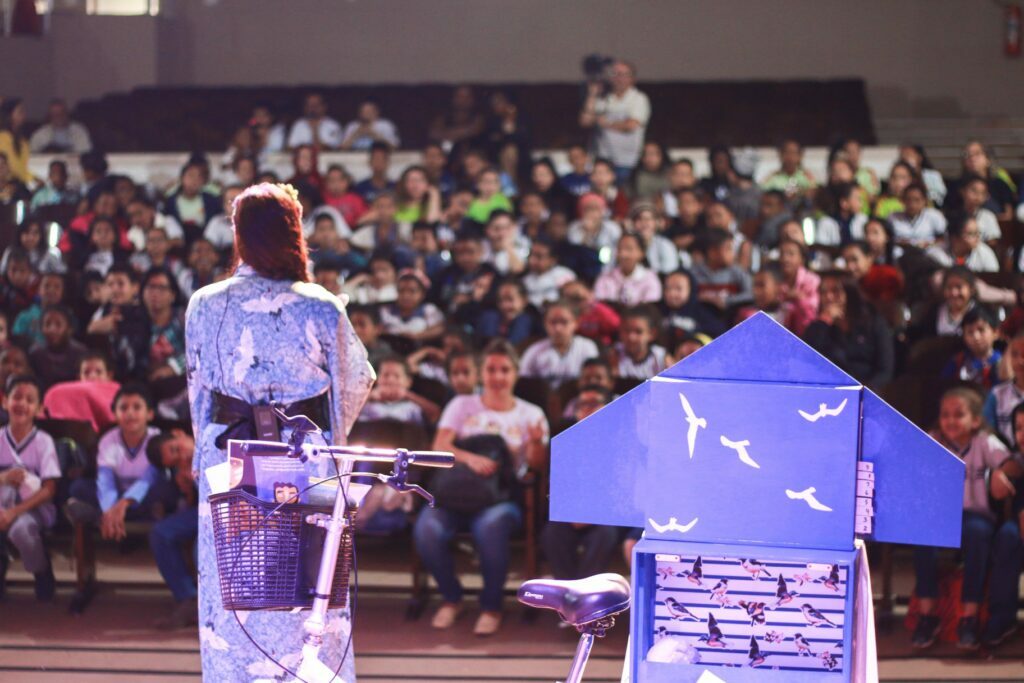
(259, 448)
(432, 458)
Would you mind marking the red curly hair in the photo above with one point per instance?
(268, 232)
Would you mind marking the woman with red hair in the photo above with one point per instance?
(265, 335)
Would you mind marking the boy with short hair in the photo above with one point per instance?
(720, 282)
(577, 181)
(974, 194)
(58, 358)
(368, 327)
(127, 485)
(544, 276)
(393, 399)
(29, 471)
(918, 224)
(979, 360)
(173, 452)
(636, 356)
(1004, 397)
(123, 320)
(767, 295)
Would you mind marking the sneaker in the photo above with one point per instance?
(446, 615)
(996, 633)
(487, 624)
(46, 585)
(183, 615)
(927, 631)
(967, 633)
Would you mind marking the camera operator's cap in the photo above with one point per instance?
(591, 198)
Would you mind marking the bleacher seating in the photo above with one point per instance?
(729, 112)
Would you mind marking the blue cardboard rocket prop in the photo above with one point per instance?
(752, 466)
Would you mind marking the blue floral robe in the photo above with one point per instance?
(261, 340)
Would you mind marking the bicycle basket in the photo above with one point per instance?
(269, 561)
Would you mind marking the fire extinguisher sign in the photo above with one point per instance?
(1012, 42)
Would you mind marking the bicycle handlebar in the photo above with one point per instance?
(357, 453)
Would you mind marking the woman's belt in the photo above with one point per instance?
(244, 423)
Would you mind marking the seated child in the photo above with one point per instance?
(767, 295)
(127, 486)
(410, 315)
(636, 356)
(596, 372)
(463, 372)
(391, 398)
(173, 451)
(377, 286)
(514, 319)
(28, 324)
(544, 276)
(28, 481)
(720, 281)
(1006, 396)
(366, 323)
(597, 320)
(327, 274)
(681, 313)
(630, 282)
(987, 544)
(559, 357)
(962, 246)
(979, 361)
(799, 288)
(429, 362)
(17, 288)
(59, 357)
(104, 248)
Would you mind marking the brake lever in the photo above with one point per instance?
(398, 483)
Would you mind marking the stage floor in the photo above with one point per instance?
(114, 639)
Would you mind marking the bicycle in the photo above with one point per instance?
(589, 605)
(310, 669)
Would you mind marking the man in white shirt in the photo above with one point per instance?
(369, 128)
(315, 127)
(619, 119)
(60, 133)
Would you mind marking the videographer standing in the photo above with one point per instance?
(619, 118)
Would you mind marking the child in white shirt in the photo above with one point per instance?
(127, 486)
(28, 481)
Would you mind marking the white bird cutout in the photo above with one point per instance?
(694, 421)
(823, 411)
(741, 449)
(807, 496)
(673, 525)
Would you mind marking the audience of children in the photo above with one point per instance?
(468, 250)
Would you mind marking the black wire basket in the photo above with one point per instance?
(269, 560)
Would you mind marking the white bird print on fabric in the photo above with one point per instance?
(823, 411)
(271, 306)
(207, 635)
(807, 495)
(244, 355)
(741, 449)
(694, 422)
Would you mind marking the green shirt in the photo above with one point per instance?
(790, 184)
(410, 213)
(480, 210)
(887, 205)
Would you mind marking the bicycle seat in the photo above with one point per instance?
(581, 601)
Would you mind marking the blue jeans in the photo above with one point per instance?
(491, 528)
(982, 541)
(165, 541)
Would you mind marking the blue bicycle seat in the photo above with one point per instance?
(581, 601)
